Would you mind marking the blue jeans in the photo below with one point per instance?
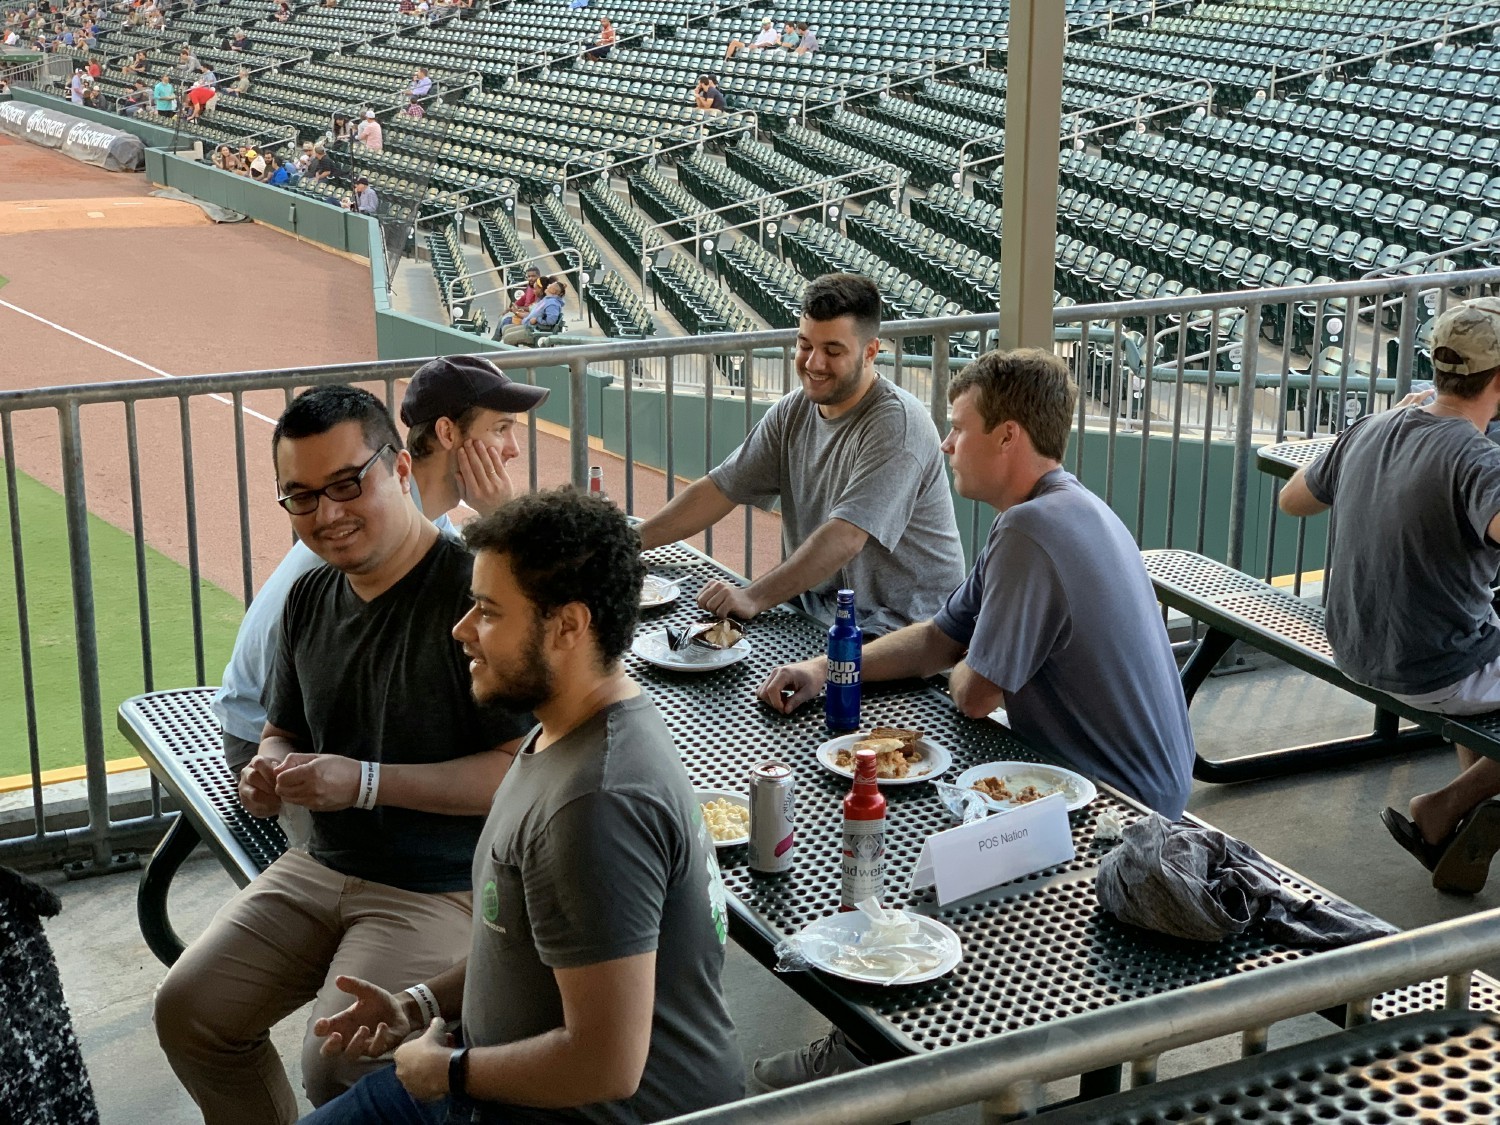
(378, 1099)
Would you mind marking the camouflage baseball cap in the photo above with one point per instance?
(1466, 338)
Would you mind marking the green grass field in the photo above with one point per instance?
(54, 655)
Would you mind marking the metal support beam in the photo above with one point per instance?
(1033, 113)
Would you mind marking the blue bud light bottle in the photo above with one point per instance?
(841, 698)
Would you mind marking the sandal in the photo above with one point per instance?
(1464, 864)
(1409, 836)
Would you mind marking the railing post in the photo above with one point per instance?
(1244, 424)
(578, 423)
(940, 370)
(86, 640)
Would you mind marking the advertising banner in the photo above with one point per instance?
(101, 145)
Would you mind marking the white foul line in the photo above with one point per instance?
(127, 358)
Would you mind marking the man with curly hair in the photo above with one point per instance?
(592, 987)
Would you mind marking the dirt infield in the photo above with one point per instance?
(108, 283)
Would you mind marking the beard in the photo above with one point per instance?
(523, 685)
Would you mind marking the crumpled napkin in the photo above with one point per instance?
(1198, 883)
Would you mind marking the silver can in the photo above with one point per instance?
(773, 809)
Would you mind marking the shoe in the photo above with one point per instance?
(822, 1058)
(1409, 836)
(1465, 863)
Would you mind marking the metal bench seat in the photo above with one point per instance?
(1434, 1066)
(1237, 607)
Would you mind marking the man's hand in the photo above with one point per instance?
(723, 600)
(320, 782)
(375, 1023)
(483, 483)
(422, 1064)
(791, 685)
(258, 787)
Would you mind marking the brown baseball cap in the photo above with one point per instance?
(1466, 338)
(447, 386)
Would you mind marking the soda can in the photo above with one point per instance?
(773, 808)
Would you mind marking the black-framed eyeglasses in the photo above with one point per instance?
(305, 503)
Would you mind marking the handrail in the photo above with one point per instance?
(465, 208)
(1386, 46)
(1405, 266)
(648, 252)
(885, 87)
(701, 133)
(1013, 1067)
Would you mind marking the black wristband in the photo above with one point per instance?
(458, 1072)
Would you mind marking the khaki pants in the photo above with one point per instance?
(276, 945)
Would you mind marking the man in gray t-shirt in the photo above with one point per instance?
(591, 992)
(1415, 545)
(1057, 621)
(855, 464)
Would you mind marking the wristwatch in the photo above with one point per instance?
(458, 1072)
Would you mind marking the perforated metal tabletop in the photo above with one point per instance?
(1036, 950)
(1284, 458)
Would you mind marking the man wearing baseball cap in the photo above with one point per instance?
(461, 413)
(1415, 543)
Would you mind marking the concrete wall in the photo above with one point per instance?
(154, 135)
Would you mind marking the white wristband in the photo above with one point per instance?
(427, 1002)
(369, 785)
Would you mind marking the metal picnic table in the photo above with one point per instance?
(1036, 950)
(1285, 457)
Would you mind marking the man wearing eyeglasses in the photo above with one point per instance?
(370, 725)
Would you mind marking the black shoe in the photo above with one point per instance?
(1465, 863)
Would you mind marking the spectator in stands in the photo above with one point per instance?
(200, 100)
(137, 99)
(766, 37)
(207, 77)
(320, 167)
(93, 97)
(277, 173)
(136, 65)
(242, 83)
(421, 83)
(341, 132)
(546, 316)
(165, 95)
(187, 64)
(605, 43)
(531, 292)
(1057, 609)
(283, 13)
(252, 163)
(1415, 495)
(406, 8)
(365, 201)
(370, 724)
(612, 1009)
(75, 86)
(240, 40)
(92, 68)
(855, 463)
(304, 160)
(224, 158)
(808, 43)
(707, 95)
(369, 133)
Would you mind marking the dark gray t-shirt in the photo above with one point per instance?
(1059, 613)
(878, 467)
(596, 849)
(1407, 591)
(384, 681)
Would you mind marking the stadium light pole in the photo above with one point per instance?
(1033, 118)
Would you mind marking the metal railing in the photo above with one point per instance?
(1329, 59)
(698, 133)
(1146, 439)
(1004, 1076)
(845, 96)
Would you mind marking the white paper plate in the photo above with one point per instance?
(935, 760)
(703, 796)
(653, 649)
(1077, 789)
(858, 921)
(658, 592)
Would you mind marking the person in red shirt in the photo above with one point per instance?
(201, 99)
(606, 41)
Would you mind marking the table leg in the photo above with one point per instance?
(156, 880)
(1205, 658)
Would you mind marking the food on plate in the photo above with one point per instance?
(997, 789)
(725, 819)
(895, 752)
(722, 634)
